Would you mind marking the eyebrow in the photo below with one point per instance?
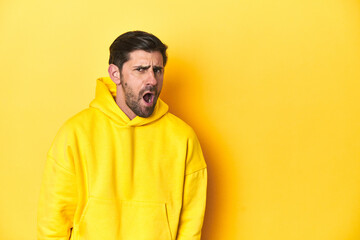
(158, 68)
(141, 66)
(148, 66)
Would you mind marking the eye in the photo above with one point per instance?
(140, 69)
(157, 70)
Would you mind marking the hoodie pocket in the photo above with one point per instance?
(124, 220)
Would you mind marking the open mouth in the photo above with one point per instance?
(149, 97)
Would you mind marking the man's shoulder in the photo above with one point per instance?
(178, 126)
(195, 159)
(80, 120)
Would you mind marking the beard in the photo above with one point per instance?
(134, 101)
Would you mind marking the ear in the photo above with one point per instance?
(114, 74)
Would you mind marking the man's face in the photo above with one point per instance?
(141, 81)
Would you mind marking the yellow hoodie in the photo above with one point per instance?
(111, 178)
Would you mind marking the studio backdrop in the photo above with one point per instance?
(271, 87)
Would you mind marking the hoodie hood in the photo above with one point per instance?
(104, 101)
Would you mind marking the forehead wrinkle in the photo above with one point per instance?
(145, 62)
(140, 57)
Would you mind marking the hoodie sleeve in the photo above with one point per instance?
(58, 195)
(194, 195)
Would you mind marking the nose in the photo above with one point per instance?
(151, 79)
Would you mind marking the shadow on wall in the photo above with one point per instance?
(183, 92)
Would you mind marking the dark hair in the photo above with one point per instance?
(131, 41)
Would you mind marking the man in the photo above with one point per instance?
(125, 168)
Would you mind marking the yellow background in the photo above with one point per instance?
(271, 87)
